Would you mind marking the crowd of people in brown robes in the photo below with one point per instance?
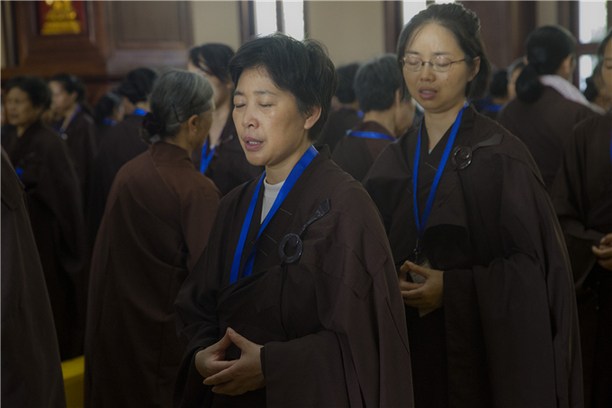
(409, 248)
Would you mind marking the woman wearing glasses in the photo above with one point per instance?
(483, 271)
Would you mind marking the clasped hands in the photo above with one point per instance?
(231, 377)
(426, 296)
(603, 252)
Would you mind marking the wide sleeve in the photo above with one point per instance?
(198, 210)
(569, 197)
(196, 318)
(362, 348)
(57, 187)
(522, 287)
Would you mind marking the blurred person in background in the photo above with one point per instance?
(220, 158)
(75, 125)
(125, 141)
(42, 162)
(378, 87)
(31, 367)
(582, 195)
(547, 105)
(345, 113)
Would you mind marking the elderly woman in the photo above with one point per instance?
(155, 227)
(295, 302)
(42, 162)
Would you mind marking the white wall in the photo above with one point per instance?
(216, 21)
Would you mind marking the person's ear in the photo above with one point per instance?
(475, 68)
(192, 123)
(73, 97)
(567, 67)
(312, 117)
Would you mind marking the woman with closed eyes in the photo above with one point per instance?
(483, 271)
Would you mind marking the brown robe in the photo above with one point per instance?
(338, 123)
(355, 155)
(544, 126)
(54, 204)
(582, 195)
(80, 137)
(156, 225)
(507, 333)
(228, 167)
(332, 323)
(31, 368)
(121, 144)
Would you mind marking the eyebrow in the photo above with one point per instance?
(239, 93)
(435, 53)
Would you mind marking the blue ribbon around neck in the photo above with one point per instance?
(293, 177)
(206, 157)
(421, 220)
(370, 135)
(139, 112)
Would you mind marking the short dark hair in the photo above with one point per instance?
(216, 56)
(138, 84)
(105, 107)
(35, 87)
(498, 88)
(299, 67)
(376, 83)
(465, 26)
(345, 92)
(71, 84)
(546, 49)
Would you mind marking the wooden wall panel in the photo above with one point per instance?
(504, 27)
(120, 35)
(45, 55)
(155, 34)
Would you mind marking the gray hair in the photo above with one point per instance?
(177, 95)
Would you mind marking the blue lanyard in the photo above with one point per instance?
(293, 177)
(421, 221)
(139, 112)
(206, 158)
(109, 122)
(369, 135)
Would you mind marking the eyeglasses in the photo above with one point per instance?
(439, 63)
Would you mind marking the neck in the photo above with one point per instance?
(219, 119)
(383, 118)
(68, 115)
(142, 105)
(276, 173)
(437, 123)
(181, 140)
(21, 129)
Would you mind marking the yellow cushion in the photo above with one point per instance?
(73, 371)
